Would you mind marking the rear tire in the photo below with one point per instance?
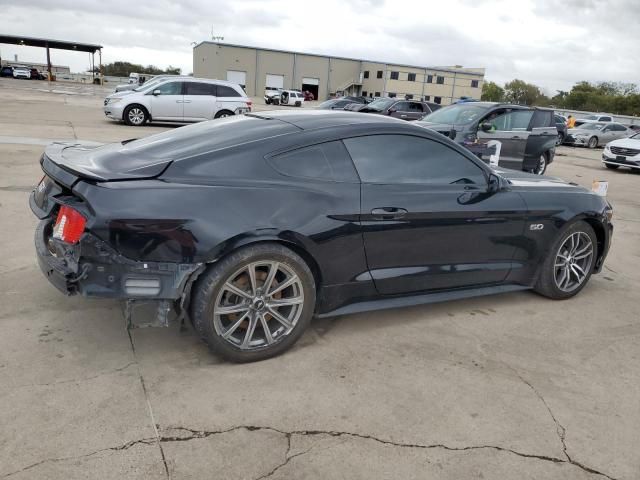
(570, 262)
(243, 316)
(223, 113)
(541, 165)
(611, 167)
(560, 139)
(593, 142)
(135, 115)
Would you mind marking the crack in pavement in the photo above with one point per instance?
(76, 380)
(125, 446)
(146, 396)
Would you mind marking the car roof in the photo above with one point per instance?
(313, 119)
(197, 79)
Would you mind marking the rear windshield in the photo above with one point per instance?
(205, 137)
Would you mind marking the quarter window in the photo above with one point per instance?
(408, 159)
(327, 162)
(395, 75)
(224, 91)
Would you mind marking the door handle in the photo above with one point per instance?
(403, 116)
(516, 137)
(388, 213)
(186, 101)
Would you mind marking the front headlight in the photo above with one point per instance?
(111, 101)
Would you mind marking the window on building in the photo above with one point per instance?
(377, 94)
(364, 93)
(398, 159)
(427, 98)
(379, 74)
(411, 77)
(408, 96)
(475, 83)
(392, 95)
(440, 80)
(370, 95)
(395, 75)
(366, 74)
(429, 78)
(437, 100)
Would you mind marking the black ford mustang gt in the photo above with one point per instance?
(252, 224)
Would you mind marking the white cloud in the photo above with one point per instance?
(553, 43)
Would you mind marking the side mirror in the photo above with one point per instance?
(495, 183)
(486, 126)
(156, 93)
(392, 110)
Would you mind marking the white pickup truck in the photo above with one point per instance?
(283, 97)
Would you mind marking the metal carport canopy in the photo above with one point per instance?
(46, 42)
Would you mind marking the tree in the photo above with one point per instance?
(523, 93)
(492, 92)
(123, 69)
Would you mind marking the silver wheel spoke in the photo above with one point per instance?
(273, 269)
(226, 310)
(578, 270)
(279, 317)
(284, 302)
(563, 277)
(290, 281)
(234, 327)
(253, 321)
(232, 288)
(251, 268)
(265, 327)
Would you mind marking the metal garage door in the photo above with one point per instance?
(275, 81)
(237, 77)
(310, 81)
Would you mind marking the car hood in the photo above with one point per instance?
(120, 94)
(525, 180)
(625, 143)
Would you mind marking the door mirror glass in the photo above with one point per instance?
(495, 183)
(392, 110)
(156, 92)
(487, 126)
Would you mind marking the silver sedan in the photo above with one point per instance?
(593, 134)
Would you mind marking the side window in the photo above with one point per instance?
(328, 162)
(171, 88)
(619, 128)
(409, 159)
(224, 91)
(541, 119)
(415, 107)
(515, 120)
(606, 119)
(401, 107)
(196, 88)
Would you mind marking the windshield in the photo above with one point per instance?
(380, 104)
(591, 126)
(591, 117)
(148, 84)
(636, 136)
(460, 113)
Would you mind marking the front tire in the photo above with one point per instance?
(223, 114)
(255, 303)
(593, 142)
(560, 139)
(135, 115)
(541, 165)
(570, 263)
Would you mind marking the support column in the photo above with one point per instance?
(48, 61)
(100, 60)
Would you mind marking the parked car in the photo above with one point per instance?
(592, 134)
(21, 72)
(336, 104)
(624, 152)
(178, 100)
(635, 127)
(6, 71)
(298, 199)
(511, 136)
(600, 117)
(393, 107)
(130, 87)
(285, 97)
(561, 127)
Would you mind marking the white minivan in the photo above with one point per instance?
(178, 100)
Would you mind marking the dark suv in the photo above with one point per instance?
(512, 136)
(394, 107)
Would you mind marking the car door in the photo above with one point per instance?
(399, 110)
(543, 135)
(167, 101)
(199, 101)
(415, 111)
(606, 134)
(620, 131)
(508, 136)
(428, 218)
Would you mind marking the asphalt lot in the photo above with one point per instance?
(513, 386)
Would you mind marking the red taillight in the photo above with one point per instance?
(69, 225)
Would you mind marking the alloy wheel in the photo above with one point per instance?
(541, 166)
(573, 261)
(258, 305)
(136, 116)
(593, 142)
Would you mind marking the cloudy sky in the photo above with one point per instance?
(552, 43)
